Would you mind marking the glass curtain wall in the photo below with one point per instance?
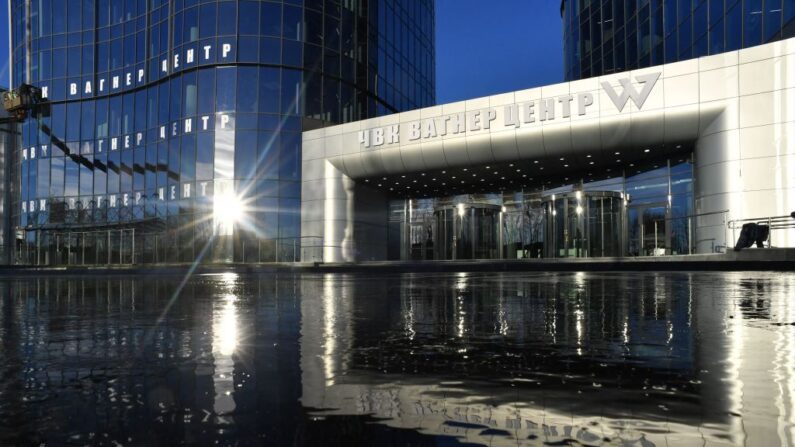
(608, 36)
(159, 107)
(645, 213)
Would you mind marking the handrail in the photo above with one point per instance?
(787, 221)
(772, 222)
(698, 215)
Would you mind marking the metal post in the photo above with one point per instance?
(770, 233)
(689, 236)
(725, 234)
(655, 238)
(294, 247)
(500, 237)
(68, 249)
(602, 218)
(108, 248)
(133, 247)
(455, 234)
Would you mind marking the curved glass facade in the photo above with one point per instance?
(607, 36)
(171, 122)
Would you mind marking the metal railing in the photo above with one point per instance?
(773, 223)
(690, 237)
(130, 247)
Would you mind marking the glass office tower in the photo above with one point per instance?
(607, 36)
(173, 128)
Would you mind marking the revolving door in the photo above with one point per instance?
(468, 231)
(585, 224)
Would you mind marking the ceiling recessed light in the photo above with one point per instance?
(646, 150)
(535, 161)
(590, 163)
(561, 158)
(565, 166)
(465, 169)
(618, 153)
(588, 156)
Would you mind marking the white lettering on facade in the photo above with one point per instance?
(514, 115)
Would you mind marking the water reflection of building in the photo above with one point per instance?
(495, 359)
(490, 358)
(103, 356)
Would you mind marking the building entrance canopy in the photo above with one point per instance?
(735, 111)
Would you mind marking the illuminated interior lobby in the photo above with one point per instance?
(656, 161)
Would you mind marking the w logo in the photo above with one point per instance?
(629, 91)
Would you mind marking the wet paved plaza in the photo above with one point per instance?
(630, 359)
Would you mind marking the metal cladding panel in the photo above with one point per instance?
(737, 109)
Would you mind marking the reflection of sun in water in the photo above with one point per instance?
(225, 329)
(225, 332)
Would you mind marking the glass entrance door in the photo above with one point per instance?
(466, 231)
(649, 233)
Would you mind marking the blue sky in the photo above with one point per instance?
(483, 47)
(4, 44)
